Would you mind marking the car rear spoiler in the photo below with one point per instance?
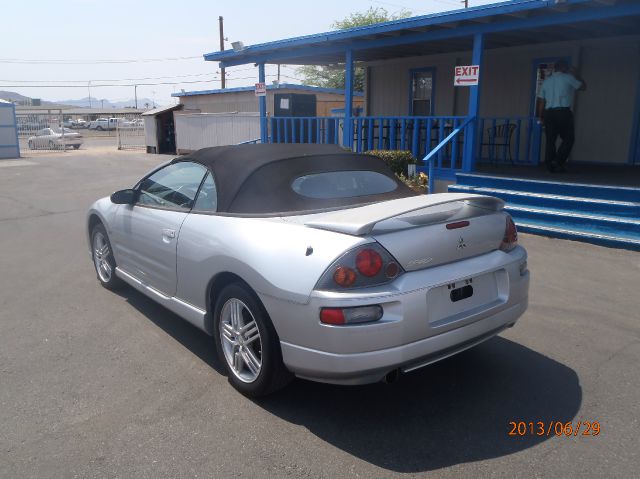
(362, 220)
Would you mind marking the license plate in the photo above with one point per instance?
(466, 297)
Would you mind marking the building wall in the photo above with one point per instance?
(247, 102)
(150, 134)
(388, 84)
(200, 130)
(603, 114)
(243, 102)
(9, 147)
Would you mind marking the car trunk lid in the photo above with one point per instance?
(424, 231)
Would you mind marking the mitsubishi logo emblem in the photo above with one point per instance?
(461, 243)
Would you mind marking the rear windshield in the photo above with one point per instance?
(343, 184)
(309, 183)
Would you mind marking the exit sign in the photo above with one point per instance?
(466, 75)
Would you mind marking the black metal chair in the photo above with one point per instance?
(499, 136)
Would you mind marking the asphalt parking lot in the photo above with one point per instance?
(102, 384)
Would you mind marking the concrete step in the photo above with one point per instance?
(599, 224)
(551, 187)
(603, 215)
(596, 206)
(612, 241)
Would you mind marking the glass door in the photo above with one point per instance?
(422, 92)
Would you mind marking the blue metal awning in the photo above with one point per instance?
(509, 23)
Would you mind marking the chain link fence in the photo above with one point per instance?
(130, 134)
(45, 131)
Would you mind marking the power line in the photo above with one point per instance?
(94, 62)
(110, 79)
(98, 85)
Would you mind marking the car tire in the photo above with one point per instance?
(52, 145)
(247, 343)
(31, 145)
(99, 128)
(75, 147)
(103, 260)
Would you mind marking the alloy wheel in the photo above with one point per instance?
(241, 341)
(101, 254)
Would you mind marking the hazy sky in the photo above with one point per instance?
(92, 31)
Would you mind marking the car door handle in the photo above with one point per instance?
(168, 233)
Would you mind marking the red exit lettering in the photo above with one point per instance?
(467, 70)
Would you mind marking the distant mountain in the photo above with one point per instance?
(13, 96)
(81, 103)
(21, 99)
(105, 103)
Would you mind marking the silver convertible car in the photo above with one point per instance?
(312, 261)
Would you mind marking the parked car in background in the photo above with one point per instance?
(79, 123)
(27, 128)
(105, 124)
(312, 261)
(53, 138)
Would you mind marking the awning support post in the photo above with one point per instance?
(264, 135)
(347, 140)
(471, 134)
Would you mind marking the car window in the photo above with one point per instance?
(174, 186)
(343, 184)
(208, 196)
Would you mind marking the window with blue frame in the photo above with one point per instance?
(422, 92)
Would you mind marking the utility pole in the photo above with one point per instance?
(135, 94)
(89, 88)
(221, 23)
(278, 74)
(466, 3)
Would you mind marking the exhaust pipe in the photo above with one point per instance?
(391, 377)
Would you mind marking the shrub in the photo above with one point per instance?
(397, 160)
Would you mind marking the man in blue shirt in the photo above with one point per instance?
(555, 101)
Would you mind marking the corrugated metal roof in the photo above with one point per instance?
(163, 109)
(79, 110)
(282, 86)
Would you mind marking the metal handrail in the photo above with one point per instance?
(428, 159)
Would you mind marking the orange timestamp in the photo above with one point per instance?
(554, 428)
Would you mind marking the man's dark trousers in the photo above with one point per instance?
(558, 122)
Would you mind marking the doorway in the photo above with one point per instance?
(543, 68)
(165, 129)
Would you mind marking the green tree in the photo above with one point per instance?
(333, 76)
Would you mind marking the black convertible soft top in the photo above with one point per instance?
(256, 179)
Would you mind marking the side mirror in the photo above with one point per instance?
(123, 197)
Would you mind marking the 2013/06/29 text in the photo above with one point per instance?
(554, 428)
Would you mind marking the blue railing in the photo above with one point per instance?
(430, 158)
(318, 130)
(419, 135)
(440, 139)
(509, 140)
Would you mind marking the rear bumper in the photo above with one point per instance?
(372, 366)
(419, 325)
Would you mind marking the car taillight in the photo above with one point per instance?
(368, 265)
(344, 276)
(510, 239)
(368, 262)
(356, 315)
